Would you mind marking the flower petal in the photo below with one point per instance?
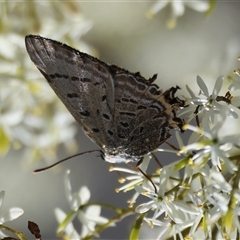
(190, 92)
(2, 194)
(11, 214)
(202, 86)
(67, 187)
(85, 194)
(142, 208)
(93, 214)
(174, 212)
(164, 176)
(200, 6)
(217, 87)
(178, 8)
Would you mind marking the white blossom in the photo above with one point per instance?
(177, 9)
(89, 216)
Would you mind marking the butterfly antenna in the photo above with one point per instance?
(65, 159)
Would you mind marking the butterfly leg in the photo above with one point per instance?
(145, 175)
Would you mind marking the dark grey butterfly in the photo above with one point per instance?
(126, 115)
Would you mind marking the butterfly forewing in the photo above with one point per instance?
(84, 86)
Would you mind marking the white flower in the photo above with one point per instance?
(212, 146)
(161, 206)
(202, 196)
(178, 8)
(181, 213)
(10, 215)
(209, 106)
(89, 216)
(162, 203)
(210, 103)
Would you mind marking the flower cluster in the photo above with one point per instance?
(197, 196)
(87, 214)
(25, 96)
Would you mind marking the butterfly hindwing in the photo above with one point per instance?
(140, 118)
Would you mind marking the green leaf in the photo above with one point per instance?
(134, 235)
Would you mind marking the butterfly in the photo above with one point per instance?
(126, 115)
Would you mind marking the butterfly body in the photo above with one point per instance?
(126, 115)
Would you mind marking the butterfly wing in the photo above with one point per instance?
(142, 114)
(122, 112)
(83, 83)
